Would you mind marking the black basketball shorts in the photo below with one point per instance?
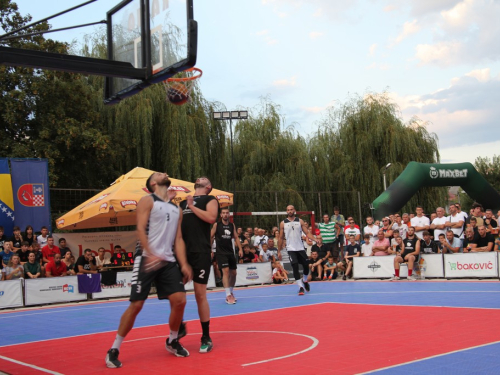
(167, 279)
(226, 260)
(200, 262)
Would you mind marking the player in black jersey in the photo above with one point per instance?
(224, 233)
(410, 250)
(199, 213)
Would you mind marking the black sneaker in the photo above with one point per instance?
(306, 286)
(112, 358)
(176, 348)
(301, 291)
(206, 344)
(182, 331)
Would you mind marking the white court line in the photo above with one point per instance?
(427, 358)
(312, 338)
(29, 365)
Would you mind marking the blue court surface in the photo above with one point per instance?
(469, 309)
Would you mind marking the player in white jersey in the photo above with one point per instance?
(159, 233)
(291, 229)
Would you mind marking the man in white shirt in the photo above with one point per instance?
(260, 238)
(400, 226)
(371, 229)
(439, 224)
(420, 222)
(456, 222)
(352, 230)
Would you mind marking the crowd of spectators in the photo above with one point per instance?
(31, 256)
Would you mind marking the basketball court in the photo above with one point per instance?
(339, 327)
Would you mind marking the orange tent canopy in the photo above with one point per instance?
(116, 205)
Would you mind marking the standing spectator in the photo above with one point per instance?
(24, 252)
(330, 269)
(456, 222)
(6, 254)
(477, 210)
(485, 241)
(352, 250)
(14, 269)
(3, 238)
(338, 218)
(260, 239)
(352, 230)
(460, 212)
(86, 263)
(371, 229)
(254, 233)
(42, 238)
(16, 239)
(56, 267)
(32, 269)
(427, 245)
(406, 219)
(273, 249)
(439, 224)
(489, 221)
(473, 224)
(366, 248)
(381, 245)
(100, 260)
(420, 222)
(69, 261)
(63, 249)
(29, 235)
(409, 253)
(387, 228)
(450, 244)
(431, 231)
(49, 250)
(329, 232)
(400, 226)
(239, 232)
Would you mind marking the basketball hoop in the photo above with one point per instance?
(178, 88)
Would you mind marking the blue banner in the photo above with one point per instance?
(6, 198)
(30, 184)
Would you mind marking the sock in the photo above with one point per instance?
(173, 335)
(231, 289)
(228, 291)
(304, 278)
(205, 326)
(300, 283)
(410, 272)
(396, 272)
(118, 342)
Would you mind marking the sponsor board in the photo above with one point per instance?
(122, 288)
(376, 267)
(254, 273)
(471, 265)
(11, 293)
(52, 289)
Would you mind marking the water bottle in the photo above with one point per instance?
(422, 269)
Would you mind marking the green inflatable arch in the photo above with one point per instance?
(417, 175)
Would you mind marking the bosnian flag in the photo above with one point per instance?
(6, 198)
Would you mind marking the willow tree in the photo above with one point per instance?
(366, 134)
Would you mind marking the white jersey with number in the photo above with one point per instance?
(293, 235)
(162, 228)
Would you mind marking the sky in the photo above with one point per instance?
(438, 60)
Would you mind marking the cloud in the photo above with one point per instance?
(267, 38)
(372, 49)
(288, 82)
(378, 66)
(318, 8)
(262, 32)
(315, 34)
(409, 28)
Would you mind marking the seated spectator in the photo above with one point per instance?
(69, 261)
(63, 249)
(29, 235)
(485, 241)
(427, 245)
(273, 249)
(14, 269)
(32, 268)
(49, 250)
(255, 251)
(6, 254)
(315, 267)
(321, 248)
(351, 251)
(86, 263)
(280, 275)
(56, 267)
(366, 248)
(24, 252)
(265, 254)
(381, 245)
(16, 239)
(450, 244)
(3, 238)
(42, 239)
(408, 252)
(100, 260)
(395, 234)
(330, 267)
(397, 246)
(470, 240)
(248, 256)
(497, 243)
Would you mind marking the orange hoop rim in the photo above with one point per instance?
(187, 79)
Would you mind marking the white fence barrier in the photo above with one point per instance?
(52, 289)
(376, 267)
(471, 265)
(11, 293)
(254, 273)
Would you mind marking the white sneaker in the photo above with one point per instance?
(412, 278)
(394, 278)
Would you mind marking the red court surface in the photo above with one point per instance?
(345, 338)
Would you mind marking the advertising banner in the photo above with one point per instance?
(122, 287)
(78, 242)
(6, 199)
(11, 293)
(52, 289)
(471, 265)
(376, 267)
(433, 265)
(30, 185)
(254, 273)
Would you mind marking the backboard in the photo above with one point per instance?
(157, 35)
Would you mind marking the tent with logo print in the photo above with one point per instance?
(116, 205)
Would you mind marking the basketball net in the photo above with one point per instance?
(178, 88)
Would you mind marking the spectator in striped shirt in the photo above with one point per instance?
(329, 233)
